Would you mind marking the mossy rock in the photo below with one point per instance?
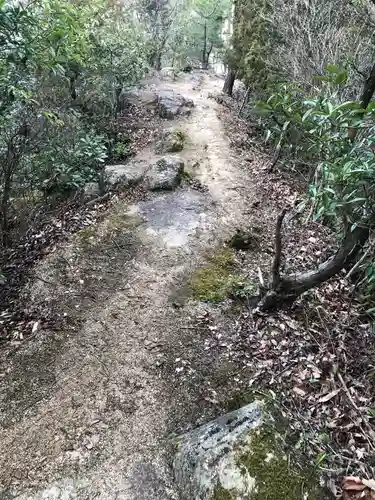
(214, 281)
(172, 141)
(243, 240)
(113, 224)
(242, 456)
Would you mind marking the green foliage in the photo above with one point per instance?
(195, 34)
(318, 129)
(63, 66)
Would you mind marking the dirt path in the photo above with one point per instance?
(84, 415)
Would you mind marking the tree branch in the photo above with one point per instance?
(277, 258)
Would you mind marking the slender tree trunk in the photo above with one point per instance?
(229, 82)
(5, 196)
(204, 51)
(367, 93)
(4, 210)
(208, 54)
(158, 61)
(244, 101)
(369, 89)
(118, 100)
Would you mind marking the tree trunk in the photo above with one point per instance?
(229, 82)
(6, 191)
(367, 93)
(4, 210)
(369, 89)
(204, 51)
(291, 287)
(118, 104)
(157, 60)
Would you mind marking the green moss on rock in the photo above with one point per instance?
(214, 281)
(172, 141)
(276, 474)
(221, 494)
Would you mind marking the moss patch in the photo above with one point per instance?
(276, 474)
(221, 494)
(214, 281)
(112, 225)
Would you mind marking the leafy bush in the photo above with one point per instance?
(63, 66)
(318, 130)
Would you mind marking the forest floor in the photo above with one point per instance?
(87, 410)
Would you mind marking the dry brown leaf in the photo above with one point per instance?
(299, 391)
(329, 396)
(370, 483)
(352, 483)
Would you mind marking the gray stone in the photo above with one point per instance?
(171, 104)
(171, 141)
(145, 97)
(207, 457)
(165, 174)
(91, 190)
(123, 176)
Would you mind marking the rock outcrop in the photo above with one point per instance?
(172, 141)
(170, 105)
(206, 459)
(165, 174)
(123, 176)
(242, 456)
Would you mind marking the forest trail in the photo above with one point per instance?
(84, 415)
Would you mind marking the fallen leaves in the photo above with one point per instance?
(329, 396)
(355, 488)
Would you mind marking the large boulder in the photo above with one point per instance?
(242, 455)
(165, 174)
(123, 176)
(144, 97)
(172, 141)
(206, 458)
(170, 104)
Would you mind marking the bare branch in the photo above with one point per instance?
(275, 159)
(277, 258)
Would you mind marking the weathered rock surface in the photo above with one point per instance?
(172, 141)
(145, 97)
(123, 176)
(91, 190)
(206, 461)
(165, 174)
(170, 104)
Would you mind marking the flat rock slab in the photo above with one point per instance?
(165, 174)
(170, 104)
(174, 216)
(206, 461)
(126, 175)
